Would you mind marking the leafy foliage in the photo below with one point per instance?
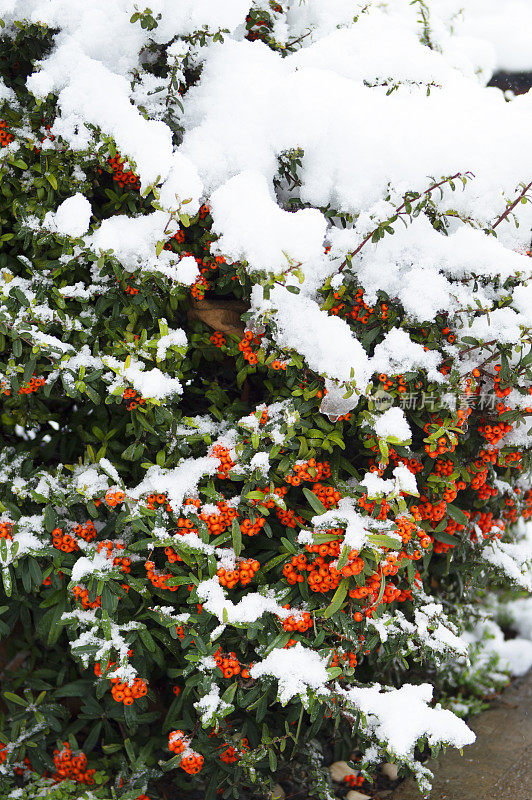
(156, 550)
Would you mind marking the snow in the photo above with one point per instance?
(132, 239)
(505, 26)
(405, 481)
(348, 517)
(520, 612)
(513, 655)
(327, 343)
(176, 483)
(260, 462)
(397, 354)
(210, 705)
(430, 628)
(107, 467)
(175, 338)
(25, 539)
(254, 228)
(149, 383)
(185, 272)
(250, 104)
(98, 565)
(89, 482)
(71, 218)
(248, 610)
(399, 717)
(297, 669)
(182, 183)
(375, 486)
(513, 559)
(5, 92)
(392, 425)
(428, 270)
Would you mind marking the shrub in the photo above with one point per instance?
(261, 458)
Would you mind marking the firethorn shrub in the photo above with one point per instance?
(224, 564)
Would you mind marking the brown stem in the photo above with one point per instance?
(398, 211)
(511, 208)
(296, 41)
(476, 346)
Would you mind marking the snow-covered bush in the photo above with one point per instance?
(265, 366)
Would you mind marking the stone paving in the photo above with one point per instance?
(498, 766)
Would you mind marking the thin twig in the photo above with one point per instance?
(398, 212)
(476, 347)
(296, 41)
(511, 208)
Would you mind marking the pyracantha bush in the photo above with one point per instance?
(265, 369)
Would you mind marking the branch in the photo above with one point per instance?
(511, 208)
(476, 347)
(296, 41)
(398, 212)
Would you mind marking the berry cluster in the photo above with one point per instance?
(178, 743)
(311, 471)
(230, 665)
(245, 346)
(244, 573)
(217, 523)
(87, 531)
(217, 339)
(114, 499)
(221, 452)
(63, 541)
(32, 386)
(301, 623)
(127, 693)
(158, 579)
(124, 562)
(130, 395)
(124, 177)
(6, 529)
(82, 593)
(154, 500)
(5, 137)
(72, 767)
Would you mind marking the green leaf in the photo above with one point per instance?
(52, 180)
(6, 578)
(236, 534)
(92, 739)
(381, 590)
(446, 538)
(74, 689)
(147, 640)
(314, 502)
(229, 693)
(457, 514)
(381, 540)
(129, 750)
(106, 625)
(50, 519)
(338, 599)
(273, 562)
(342, 561)
(14, 698)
